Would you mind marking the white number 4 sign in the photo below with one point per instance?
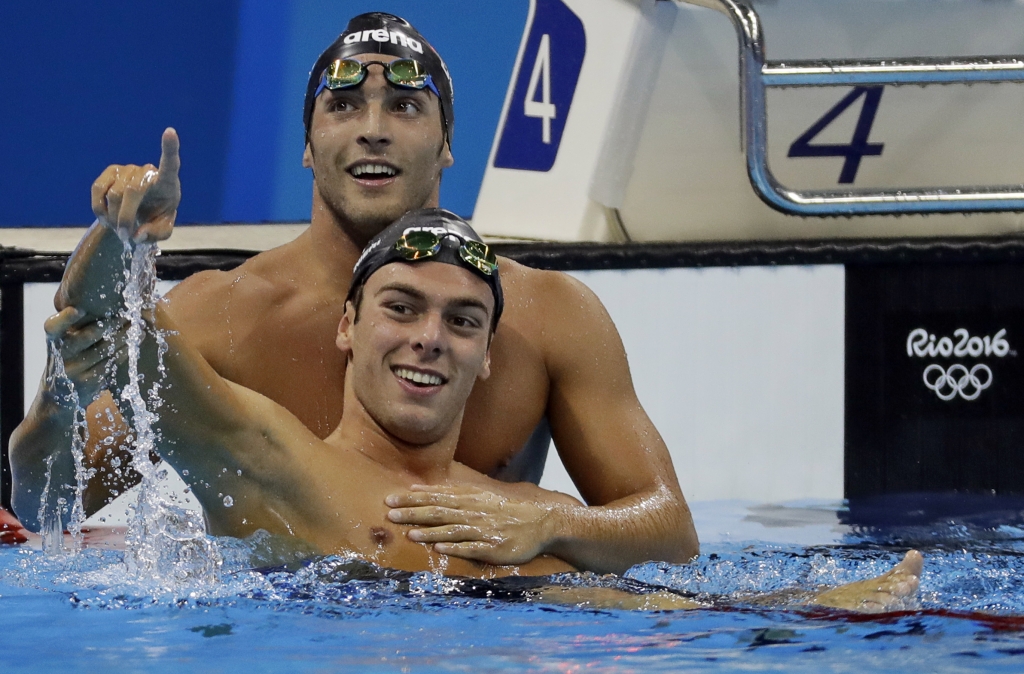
(544, 108)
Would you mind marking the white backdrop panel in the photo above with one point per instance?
(741, 370)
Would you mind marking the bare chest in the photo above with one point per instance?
(285, 349)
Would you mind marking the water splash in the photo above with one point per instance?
(51, 517)
(165, 544)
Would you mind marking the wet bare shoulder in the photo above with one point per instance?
(209, 304)
(555, 307)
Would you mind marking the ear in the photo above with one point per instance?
(485, 367)
(344, 339)
(307, 157)
(446, 156)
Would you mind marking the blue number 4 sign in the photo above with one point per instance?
(548, 72)
(858, 148)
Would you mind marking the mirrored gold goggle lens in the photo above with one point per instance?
(416, 245)
(349, 72)
(345, 73)
(407, 73)
(479, 255)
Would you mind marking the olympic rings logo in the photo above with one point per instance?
(957, 380)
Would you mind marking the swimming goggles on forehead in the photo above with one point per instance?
(405, 73)
(421, 244)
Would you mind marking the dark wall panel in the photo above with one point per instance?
(934, 378)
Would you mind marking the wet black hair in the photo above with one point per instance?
(380, 33)
(381, 251)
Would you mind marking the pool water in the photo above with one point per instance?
(81, 613)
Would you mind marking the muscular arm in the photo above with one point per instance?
(215, 430)
(608, 444)
(142, 201)
(47, 428)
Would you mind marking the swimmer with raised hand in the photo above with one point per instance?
(416, 332)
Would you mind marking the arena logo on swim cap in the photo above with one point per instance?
(439, 231)
(384, 35)
(366, 251)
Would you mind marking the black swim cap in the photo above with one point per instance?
(380, 33)
(453, 232)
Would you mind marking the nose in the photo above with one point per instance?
(375, 135)
(428, 341)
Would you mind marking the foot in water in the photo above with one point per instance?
(888, 592)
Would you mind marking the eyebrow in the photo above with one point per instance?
(414, 292)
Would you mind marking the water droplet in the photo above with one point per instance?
(228, 501)
(185, 473)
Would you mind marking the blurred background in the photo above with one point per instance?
(83, 85)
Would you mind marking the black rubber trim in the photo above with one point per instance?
(579, 256)
(20, 265)
(12, 376)
(24, 266)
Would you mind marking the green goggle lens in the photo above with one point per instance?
(406, 73)
(479, 255)
(344, 73)
(418, 245)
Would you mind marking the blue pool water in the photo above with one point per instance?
(82, 615)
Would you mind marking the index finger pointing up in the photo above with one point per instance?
(170, 162)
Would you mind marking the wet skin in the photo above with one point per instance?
(414, 350)
(269, 324)
(415, 345)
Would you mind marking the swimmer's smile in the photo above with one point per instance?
(418, 381)
(373, 172)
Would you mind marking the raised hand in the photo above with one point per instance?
(141, 202)
(475, 524)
